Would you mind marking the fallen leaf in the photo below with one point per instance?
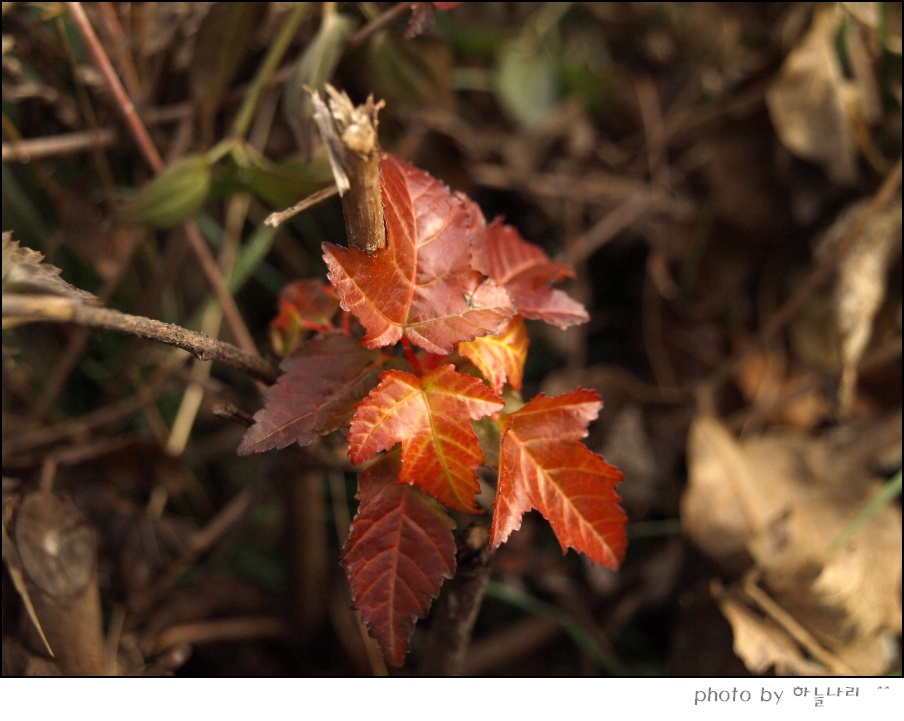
(811, 101)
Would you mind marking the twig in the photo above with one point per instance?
(55, 309)
(278, 217)
(50, 533)
(349, 134)
(378, 23)
(31, 148)
(139, 132)
(223, 629)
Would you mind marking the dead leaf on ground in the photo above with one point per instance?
(762, 644)
(811, 103)
(860, 284)
(776, 502)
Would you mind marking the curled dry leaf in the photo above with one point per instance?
(24, 271)
(860, 283)
(811, 101)
(776, 503)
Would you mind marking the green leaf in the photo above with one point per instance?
(172, 197)
(284, 183)
(223, 40)
(526, 80)
(314, 68)
(416, 72)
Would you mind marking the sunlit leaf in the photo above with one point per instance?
(545, 466)
(526, 272)
(421, 285)
(430, 417)
(500, 358)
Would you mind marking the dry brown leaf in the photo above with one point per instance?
(762, 644)
(811, 102)
(782, 498)
(860, 284)
(25, 272)
(779, 395)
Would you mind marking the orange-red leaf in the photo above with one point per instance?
(500, 358)
(545, 466)
(430, 416)
(526, 272)
(304, 305)
(316, 394)
(422, 284)
(398, 552)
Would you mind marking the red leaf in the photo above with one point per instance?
(421, 285)
(398, 552)
(316, 394)
(545, 466)
(303, 305)
(526, 273)
(500, 357)
(430, 417)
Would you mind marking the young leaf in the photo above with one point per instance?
(421, 285)
(429, 416)
(174, 195)
(398, 552)
(303, 305)
(321, 383)
(526, 273)
(545, 466)
(500, 357)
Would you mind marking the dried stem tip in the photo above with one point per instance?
(350, 135)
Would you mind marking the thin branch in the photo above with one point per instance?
(22, 308)
(136, 126)
(29, 149)
(378, 23)
(280, 216)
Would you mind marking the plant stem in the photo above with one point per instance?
(136, 126)
(21, 308)
(350, 136)
(452, 621)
